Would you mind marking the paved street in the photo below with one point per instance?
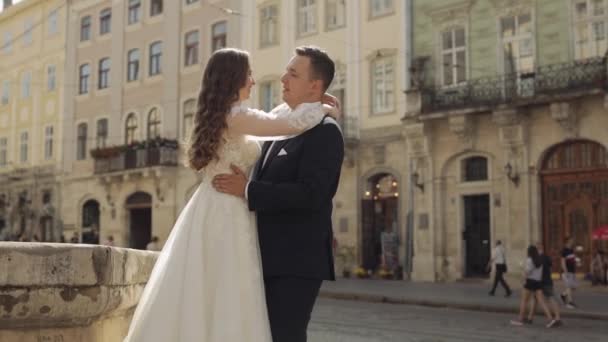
(350, 321)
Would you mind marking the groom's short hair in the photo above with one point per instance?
(322, 67)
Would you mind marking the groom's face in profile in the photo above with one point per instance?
(298, 86)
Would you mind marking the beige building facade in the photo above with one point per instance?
(32, 58)
(136, 67)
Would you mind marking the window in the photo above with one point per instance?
(134, 11)
(28, 27)
(156, 7)
(188, 2)
(48, 142)
(133, 65)
(475, 169)
(3, 151)
(453, 56)
(518, 45)
(380, 7)
(131, 129)
(338, 88)
(307, 17)
(269, 31)
(590, 26)
(383, 83)
(104, 73)
(335, 14)
(153, 124)
(218, 36)
(155, 58)
(6, 92)
(83, 82)
(191, 48)
(8, 42)
(102, 132)
(50, 78)
(26, 85)
(85, 28)
(105, 21)
(23, 147)
(81, 142)
(52, 22)
(189, 111)
(268, 95)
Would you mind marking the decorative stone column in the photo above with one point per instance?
(65, 292)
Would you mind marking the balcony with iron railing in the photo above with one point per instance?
(156, 152)
(547, 83)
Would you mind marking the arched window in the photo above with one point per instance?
(153, 124)
(475, 169)
(131, 129)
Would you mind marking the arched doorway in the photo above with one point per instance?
(380, 223)
(90, 222)
(574, 178)
(139, 206)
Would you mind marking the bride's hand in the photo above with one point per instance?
(331, 105)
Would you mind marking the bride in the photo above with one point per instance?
(207, 284)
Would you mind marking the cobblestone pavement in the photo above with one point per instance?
(355, 321)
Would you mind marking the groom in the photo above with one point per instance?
(291, 191)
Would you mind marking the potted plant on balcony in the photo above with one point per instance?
(106, 152)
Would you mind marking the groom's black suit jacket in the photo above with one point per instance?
(292, 197)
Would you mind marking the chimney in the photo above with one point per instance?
(7, 3)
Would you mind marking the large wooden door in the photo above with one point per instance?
(575, 194)
(477, 234)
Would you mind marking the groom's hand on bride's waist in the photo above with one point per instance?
(232, 184)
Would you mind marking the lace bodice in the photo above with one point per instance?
(244, 124)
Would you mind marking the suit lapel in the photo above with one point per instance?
(272, 153)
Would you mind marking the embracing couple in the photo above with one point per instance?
(249, 251)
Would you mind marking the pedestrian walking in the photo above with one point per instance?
(533, 286)
(547, 289)
(568, 265)
(499, 260)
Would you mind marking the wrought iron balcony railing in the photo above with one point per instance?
(158, 152)
(546, 81)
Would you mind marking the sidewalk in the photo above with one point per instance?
(593, 304)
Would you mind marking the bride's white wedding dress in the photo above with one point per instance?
(207, 284)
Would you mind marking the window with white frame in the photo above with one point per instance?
(188, 2)
(518, 43)
(103, 80)
(26, 84)
(8, 42)
(307, 17)
(153, 124)
(131, 129)
(23, 147)
(335, 14)
(191, 48)
(6, 92)
(132, 65)
(52, 22)
(81, 141)
(50, 78)
(85, 28)
(453, 56)
(219, 35)
(134, 11)
(102, 132)
(269, 25)
(338, 88)
(105, 21)
(268, 95)
(156, 53)
(590, 28)
(48, 142)
(28, 28)
(156, 7)
(189, 112)
(84, 73)
(380, 7)
(383, 85)
(3, 152)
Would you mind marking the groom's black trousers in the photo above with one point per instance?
(290, 302)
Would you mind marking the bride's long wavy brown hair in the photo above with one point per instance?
(225, 74)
